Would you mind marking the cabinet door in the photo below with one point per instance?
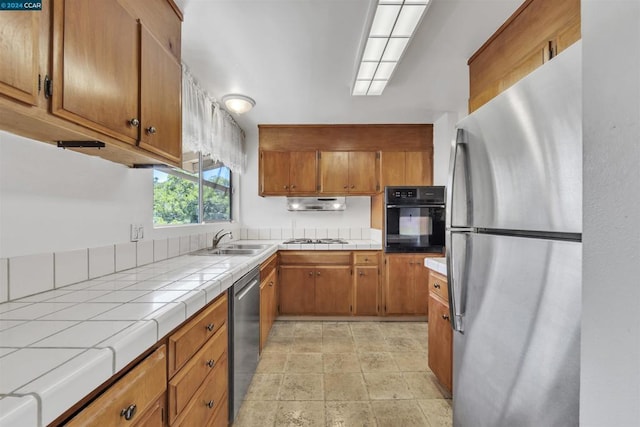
(421, 283)
(303, 172)
(333, 290)
(417, 168)
(392, 168)
(367, 289)
(96, 69)
(334, 172)
(399, 286)
(154, 416)
(363, 172)
(160, 105)
(440, 341)
(20, 52)
(267, 302)
(274, 172)
(297, 290)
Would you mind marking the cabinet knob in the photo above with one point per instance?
(317, 273)
(366, 260)
(286, 187)
(270, 283)
(134, 122)
(129, 411)
(310, 273)
(210, 327)
(345, 187)
(410, 262)
(353, 186)
(361, 273)
(445, 316)
(210, 363)
(151, 130)
(436, 285)
(293, 187)
(210, 404)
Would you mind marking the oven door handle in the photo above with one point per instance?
(415, 206)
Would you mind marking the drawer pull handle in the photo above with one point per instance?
(366, 260)
(445, 317)
(210, 404)
(129, 412)
(436, 285)
(361, 273)
(210, 327)
(151, 130)
(270, 283)
(210, 363)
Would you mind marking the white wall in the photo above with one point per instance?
(443, 135)
(258, 212)
(610, 367)
(57, 200)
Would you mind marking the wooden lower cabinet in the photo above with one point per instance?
(156, 416)
(440, 332)
(131, 399)
(199, 385)
(297, 290)
(366, 278)
(406, 284)
(268, 297)
(333, 291)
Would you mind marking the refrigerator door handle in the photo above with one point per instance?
(456, 283)
(460, 141)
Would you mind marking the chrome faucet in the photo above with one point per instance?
(218, 237)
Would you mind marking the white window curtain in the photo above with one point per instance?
(208, 128)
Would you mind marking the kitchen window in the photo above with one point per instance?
(198, 192)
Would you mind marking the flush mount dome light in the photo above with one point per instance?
(238, 103)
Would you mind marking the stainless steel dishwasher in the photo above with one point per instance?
(244, 337)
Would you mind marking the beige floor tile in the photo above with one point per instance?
(308, 329)
(377, 362)
(282, 329)
(301, 387)
(386, 386)
(396, 413)
(300, 414)
(437, 411)
(340, 362)
(349, 414)
(278, 345)
(264, 387)
(371, 344)
(307, 344)
(411, 361)
(400, 344)
(423, 385)
(338, 345)
(271, 363)
(304, 363)
(344, 386)
(255, 413)
(366, 329)
(396, 329)
(336, 330)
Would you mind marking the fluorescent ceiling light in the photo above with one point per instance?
(393, 25)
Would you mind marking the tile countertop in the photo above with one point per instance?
(437, 264)
(58, 346)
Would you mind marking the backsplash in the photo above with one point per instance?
(27, 275)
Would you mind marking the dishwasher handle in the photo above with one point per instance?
(246, 289)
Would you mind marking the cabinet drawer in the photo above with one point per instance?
(139, 388)
(438, 285)
(315, 257)
(210, 397)
(188, 340)
(268, 266)
(365, 258)
(186, 382)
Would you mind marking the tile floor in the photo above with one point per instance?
(345, 374)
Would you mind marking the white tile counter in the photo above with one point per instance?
(58, 346)
(436, 264)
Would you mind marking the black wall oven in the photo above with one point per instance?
(414, 219)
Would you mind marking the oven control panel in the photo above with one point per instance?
(423, 194)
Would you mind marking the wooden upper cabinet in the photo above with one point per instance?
(352, 172)
(406, 168)
(21, 47)
(288, 173)
(534, 34)
(160, 105)
(96, 79)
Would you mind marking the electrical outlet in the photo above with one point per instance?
(134, 233)
(140, 232)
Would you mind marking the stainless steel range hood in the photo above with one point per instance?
(316, 203)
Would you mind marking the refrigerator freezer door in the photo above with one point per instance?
(519, 158)
(517, 362)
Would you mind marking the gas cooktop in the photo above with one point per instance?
(321, 241)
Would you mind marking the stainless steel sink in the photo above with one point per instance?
(227, 251)
(244, 246)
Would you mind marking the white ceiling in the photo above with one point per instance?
(298, 58)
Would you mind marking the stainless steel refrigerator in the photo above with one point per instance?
(514, 224)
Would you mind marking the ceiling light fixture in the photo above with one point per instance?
(394, 24)
(237, 103)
